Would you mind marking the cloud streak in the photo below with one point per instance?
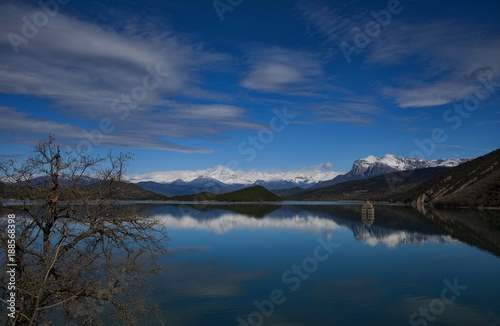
(437, 61)
(18, 125)
(281, 70)
(451, 54)
(83, 67)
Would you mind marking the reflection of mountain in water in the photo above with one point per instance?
(394, 225)
(392, 238)
(229, 221)
(476, 227)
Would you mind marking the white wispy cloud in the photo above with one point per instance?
(83, 67)
(438, 61)
(23, 129)
(449, 57)
(332, 22)
(360, 111)
(298, 73)
(324, 19)
(430, 94)
(281, 70)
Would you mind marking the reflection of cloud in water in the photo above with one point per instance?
(373, 235)
(393, 238)
(228, 222)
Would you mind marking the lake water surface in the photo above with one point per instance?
(324, 265)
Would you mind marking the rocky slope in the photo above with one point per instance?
(473, 184)
(372, 166)
(381, 188)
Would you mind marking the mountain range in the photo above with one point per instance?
(239, 177)
(221, 180)
(454, 183)
(473, 184)
(372, 166)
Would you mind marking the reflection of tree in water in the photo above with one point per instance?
(77, 253)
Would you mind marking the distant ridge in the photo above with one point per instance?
(118, 190)
(180, 187)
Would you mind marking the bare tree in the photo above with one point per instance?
(78, 253)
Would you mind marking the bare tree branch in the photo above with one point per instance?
(76, 250)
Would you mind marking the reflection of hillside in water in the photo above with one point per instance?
(393, 226)
(480, 228)
(212, 210)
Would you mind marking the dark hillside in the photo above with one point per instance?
(472, 184)
(382, 188)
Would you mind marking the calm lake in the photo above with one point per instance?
(325, 265)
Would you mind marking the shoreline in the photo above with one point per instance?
(11, 203)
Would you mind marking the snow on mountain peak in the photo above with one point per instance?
(228, 176)
(369, 159)
(368, 166)
(373, 165)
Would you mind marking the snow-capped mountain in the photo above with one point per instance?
(372, 166)
(280, 179)
(222, 179)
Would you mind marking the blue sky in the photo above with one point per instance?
(266, 85)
